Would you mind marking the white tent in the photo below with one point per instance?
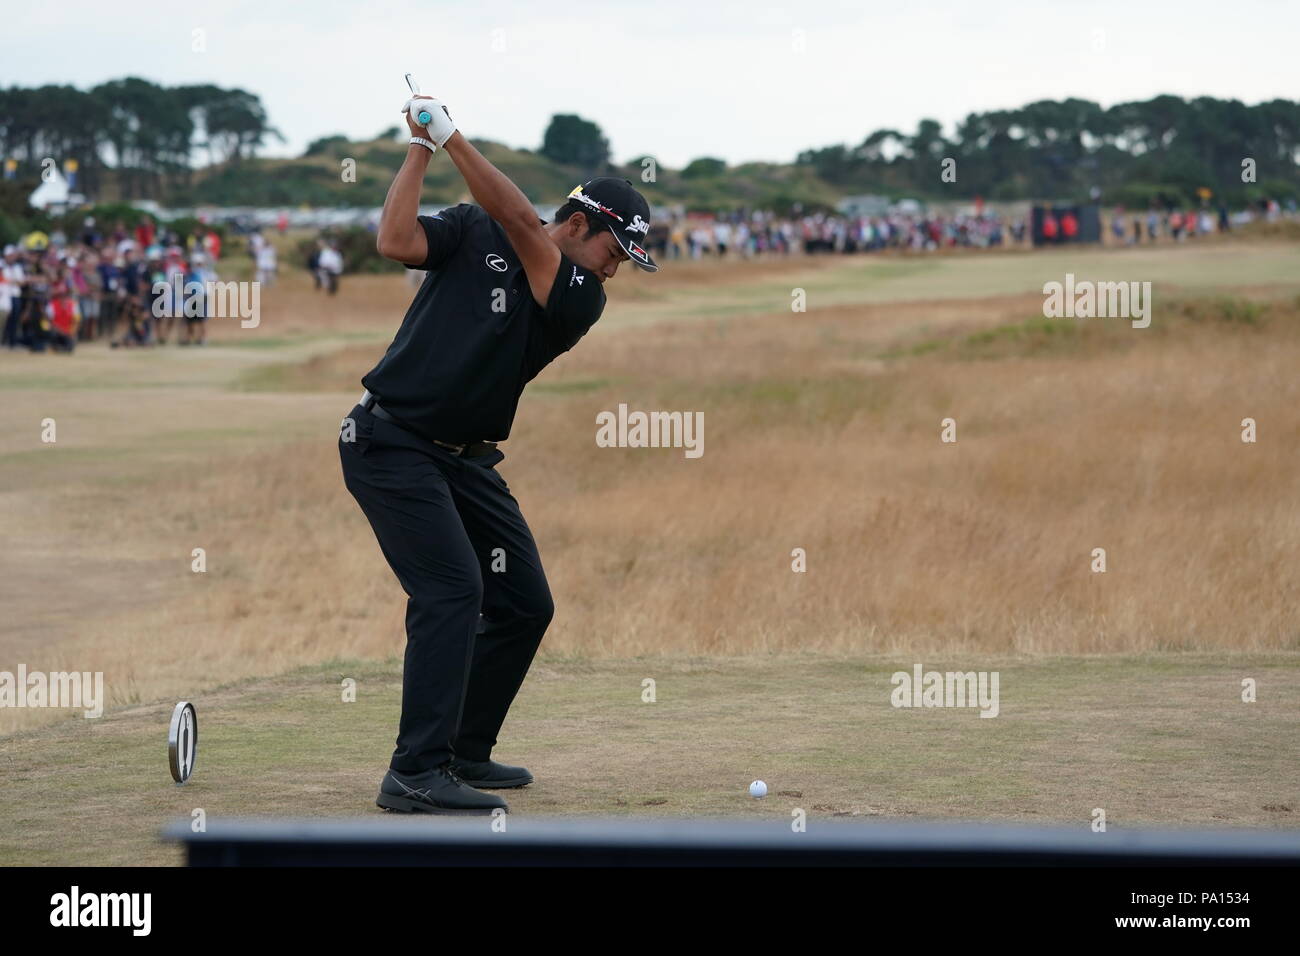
(51, 192)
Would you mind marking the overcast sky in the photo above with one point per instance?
(741, 81)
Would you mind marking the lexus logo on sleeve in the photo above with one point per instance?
(495, 262)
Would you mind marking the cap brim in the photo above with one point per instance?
(639, 255)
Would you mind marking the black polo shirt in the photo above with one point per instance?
(474, 336)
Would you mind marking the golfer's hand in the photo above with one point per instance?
(439, 129)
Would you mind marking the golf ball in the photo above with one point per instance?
(758, 789)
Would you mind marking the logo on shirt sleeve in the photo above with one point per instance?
(575, 278)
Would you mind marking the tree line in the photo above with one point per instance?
(1064, 149)
(150, 134)
(1167, 147)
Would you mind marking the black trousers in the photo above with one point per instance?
(477, 598)
(12, 335)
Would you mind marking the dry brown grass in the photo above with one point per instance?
(822, 433)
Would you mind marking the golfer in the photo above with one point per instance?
(505, 294)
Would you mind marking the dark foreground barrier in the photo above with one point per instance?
(433, 841)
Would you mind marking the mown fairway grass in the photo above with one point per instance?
(1161, 739)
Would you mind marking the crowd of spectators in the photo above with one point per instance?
(132, 287)
(122, 285)
(764, 233)
(1178, 224)
(126, 285)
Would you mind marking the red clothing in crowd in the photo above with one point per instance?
(63, 314)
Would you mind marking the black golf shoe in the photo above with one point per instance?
(490, 775)
(435, 791)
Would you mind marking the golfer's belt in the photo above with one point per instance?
(464, 449)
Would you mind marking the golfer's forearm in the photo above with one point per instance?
(491, 188)
(399, 228)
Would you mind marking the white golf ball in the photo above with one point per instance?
(758, 789)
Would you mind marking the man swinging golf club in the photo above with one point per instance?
(505, 294)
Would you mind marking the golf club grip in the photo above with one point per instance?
(424, 117)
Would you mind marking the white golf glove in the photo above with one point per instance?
(440, 127)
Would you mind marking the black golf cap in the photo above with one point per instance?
(624, 210)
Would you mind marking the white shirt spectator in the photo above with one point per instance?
(11, 278)
(331, 260)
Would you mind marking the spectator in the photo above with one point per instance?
(144, 233)
(267, 265)
(212, 246)
(63, 318)
(36, 287)
(196, 302)
(722, 237)
(313, 262)
(12, 279)
(110, 294)
(677, 240)
(163, 301)
(1117, 225)
(84, 279)
(330, 266)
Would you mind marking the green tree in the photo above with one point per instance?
(705, 167)
(574, 141)
(238, 123)
(325, 144)
(149, 130)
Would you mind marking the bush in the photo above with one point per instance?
(11, 230)
(106, 215)
(705, 167)
(13, 198)
(1139, 196)
(16, 217)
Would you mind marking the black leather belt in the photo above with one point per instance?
(464, 450)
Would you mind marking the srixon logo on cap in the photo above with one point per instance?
(639, 225)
